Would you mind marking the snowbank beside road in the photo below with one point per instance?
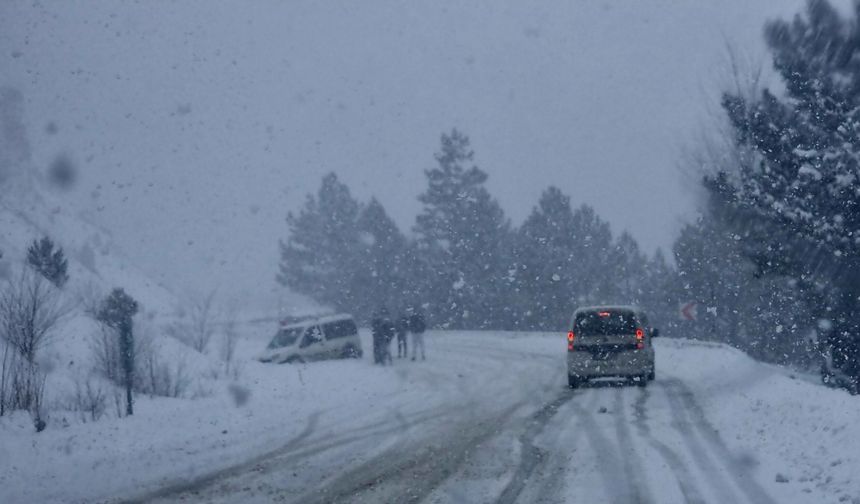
(801, 438)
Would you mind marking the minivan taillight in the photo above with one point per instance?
(640, 339)
(570, 337)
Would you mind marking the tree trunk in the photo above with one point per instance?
(127, 349)
(3, 380)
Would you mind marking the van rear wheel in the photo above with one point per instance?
(573, 381)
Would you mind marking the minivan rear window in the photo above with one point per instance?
(605, 323)
(340, 329)
(286, 337)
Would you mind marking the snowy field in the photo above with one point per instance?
(487, 418)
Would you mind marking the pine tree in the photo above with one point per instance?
(594, 270)
(463, 234)
(545, 264)
(320, 258)
(795, 207)
(712, 272)
(49, 263)
(117, 312)
(661, 292)
(629, 265)
(383, 269)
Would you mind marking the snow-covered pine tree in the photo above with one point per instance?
(660, 293)
(628, 264)
(462, 233)
(796, 206)
(712, 273)
(594, 272)
(323, 252)
(117, 312)
(545, 261)
(49, 262)
(383, 268)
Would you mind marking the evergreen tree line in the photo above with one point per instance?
(465, 264)
(777, 250)
(772, 263)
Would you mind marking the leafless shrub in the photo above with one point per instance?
(152, 375)
(118, 403)
(163, 379)
(31, 309)
(197, 327)
(229, 338)
(107, 360)
(89, 400)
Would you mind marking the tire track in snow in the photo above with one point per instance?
(631, 460)
(296, 450)
(197, 484)
(609, 460)
(685, 480)
(532, 456)
(410, 473)
(738, 470)
(701, 455)
(551, 485)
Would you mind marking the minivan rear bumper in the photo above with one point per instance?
(623, 364)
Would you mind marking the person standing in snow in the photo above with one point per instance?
(388, 333)
(383, 332)
(376, 329)
(417, 325)
(402, 327)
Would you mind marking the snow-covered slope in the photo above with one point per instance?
(31, 207)
(94, 260)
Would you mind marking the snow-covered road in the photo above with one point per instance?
(501, 426)
(487, 418)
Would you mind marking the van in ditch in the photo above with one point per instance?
(330, 337)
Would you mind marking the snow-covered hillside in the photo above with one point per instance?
(32, 206)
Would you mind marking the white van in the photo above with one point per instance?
(331, 337)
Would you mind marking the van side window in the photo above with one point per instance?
(313, 335)
(340, 329)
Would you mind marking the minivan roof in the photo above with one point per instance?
(315, 320)
(607, 308)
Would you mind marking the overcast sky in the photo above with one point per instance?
(197, 125)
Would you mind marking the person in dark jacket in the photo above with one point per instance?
(417, 326)
(388, 332)
(383, 332)
(402, 327)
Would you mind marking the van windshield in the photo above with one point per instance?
(605, 323)
(286, 337)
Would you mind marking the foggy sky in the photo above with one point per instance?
(198, 125)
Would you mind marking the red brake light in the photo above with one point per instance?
(640, 339)
(603, 313)
(570, 337)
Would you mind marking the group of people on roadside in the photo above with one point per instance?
(384, 330)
